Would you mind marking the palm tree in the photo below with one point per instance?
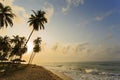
(36, 49)
(15, 45)
(5, 46)
(5, 49)
(37, 21)
(6, 16)
(18, 46)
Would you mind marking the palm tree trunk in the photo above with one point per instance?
(29, 37)
(31, 57)
(28, 40)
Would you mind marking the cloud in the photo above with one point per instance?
(55, 47)
(86, 51)
(21, 16)
(105, 15)
(72, 3)
(82, 51)
(65, 9)
(78, 2)
(107, 53)
(77, 48)
(7, 2)
(49, 9)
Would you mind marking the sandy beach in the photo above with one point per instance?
(34, 72)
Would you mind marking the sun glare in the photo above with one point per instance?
(30, 47)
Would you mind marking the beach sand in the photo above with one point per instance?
(34, 72)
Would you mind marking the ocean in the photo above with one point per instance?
(88, 70)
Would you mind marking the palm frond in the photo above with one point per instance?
(37, 20)
(34, 12)
(9, 20)
(6, 16)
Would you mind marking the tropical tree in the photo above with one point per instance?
(36, 49)
(18, 46)
(37, 21)
(6, 16)
(5, 49)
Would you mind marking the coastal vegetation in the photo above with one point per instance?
(13, 48)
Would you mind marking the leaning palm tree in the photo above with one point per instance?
(36, 49)
(6, 16)
(37, 21)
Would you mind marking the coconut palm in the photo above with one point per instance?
(6, 16)
(18, 46)
(15, 45)
(5, 49)
(5, 46)
(37, 21)
(36, 49)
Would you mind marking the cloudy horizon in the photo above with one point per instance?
(77, 30)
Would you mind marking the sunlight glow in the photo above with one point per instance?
(30, 47)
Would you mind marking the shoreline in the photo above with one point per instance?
(61, 75)
(35, 72)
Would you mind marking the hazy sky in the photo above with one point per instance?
(77, 30)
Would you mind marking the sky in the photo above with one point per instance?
(77, 30)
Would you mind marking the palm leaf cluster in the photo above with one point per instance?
(37, 43)
(37, 20)
(18, 46)
(11, 48)
(6, 16)
(5, 47)
(36, 48)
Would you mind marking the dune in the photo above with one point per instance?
(34, 72)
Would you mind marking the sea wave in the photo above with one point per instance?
(88, 71)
